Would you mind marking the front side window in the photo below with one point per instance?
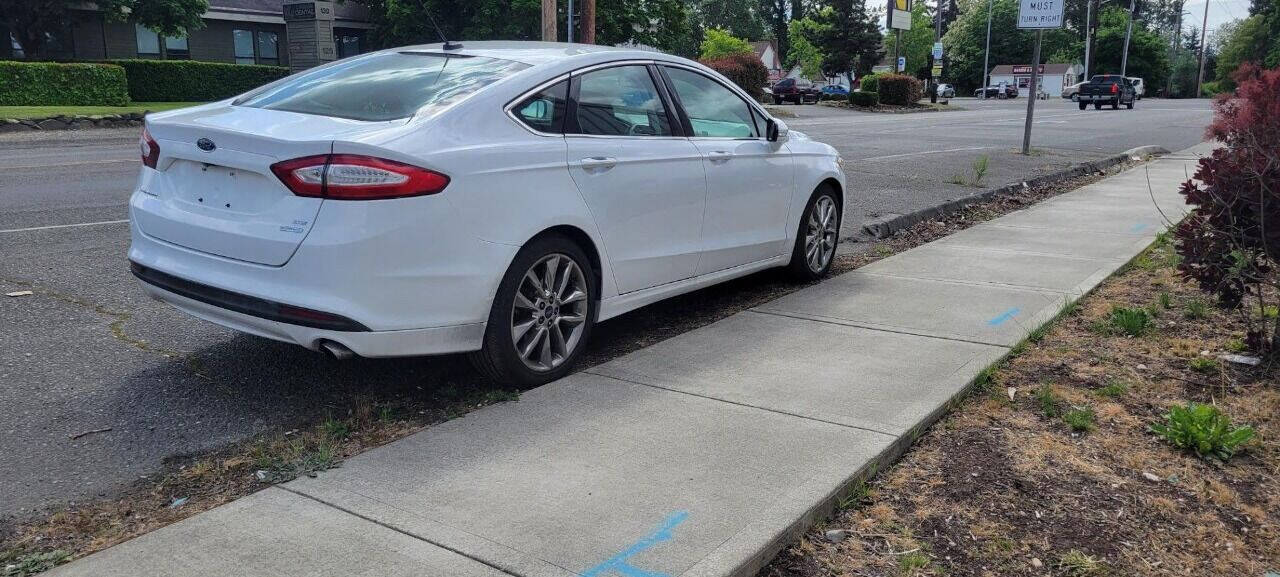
(243, 40)
(268, 50)
(713, 109)
(175, 47)
(544, 111)
(148, 40)
(621, 101)
(384, 86)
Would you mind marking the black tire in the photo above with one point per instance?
(1075, 98)
(799, 268)
(777, 101)
(1083, 105)
(1129, 105)
(1097, 105)
(1115, 104)
(498, 358)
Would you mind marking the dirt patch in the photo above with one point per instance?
(1005, 486)
(445, 389)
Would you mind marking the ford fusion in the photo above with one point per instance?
(491, 198)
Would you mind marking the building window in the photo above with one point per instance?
(148, 41)
(15, 48)
(267, 48)
(176, 48)
(348, 45)
(243, 40)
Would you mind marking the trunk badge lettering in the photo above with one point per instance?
(206, 145)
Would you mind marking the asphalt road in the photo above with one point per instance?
(90, 352)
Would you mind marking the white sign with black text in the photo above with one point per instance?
(1040, 13)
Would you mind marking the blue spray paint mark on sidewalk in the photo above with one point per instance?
(1139, 227)
(1004, 316)
(618, 563)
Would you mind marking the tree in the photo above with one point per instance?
(775, 13)
(803, 53)
(1148, 52)
(917, 42)
(718, 44)
(739, 18)
(1243, 41)
(849, 36)
(966, 39)
(33, 22)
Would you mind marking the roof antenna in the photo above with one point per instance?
(447, 45)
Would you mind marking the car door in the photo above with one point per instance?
(641, 179)
(749, 179)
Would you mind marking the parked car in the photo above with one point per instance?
(1139, 86)
(946, 90)
(1073, 91)
(1010, 91)
(498, 198)
(1110, 89)
(835, 90)
(797, 90)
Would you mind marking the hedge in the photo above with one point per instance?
(900, 89)
(745, 70)
(863, 98)
(54, 84)
(870, 83)
(193, 81)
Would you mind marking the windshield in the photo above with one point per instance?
(385, 86)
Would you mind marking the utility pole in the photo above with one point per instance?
(937, 37)
(986, 56)
(1173, 61)
(1204, 34)
(588, 21)
(548, 20)
(1124, 58)
(1088, 35)
(569, 24)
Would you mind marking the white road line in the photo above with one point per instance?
(887, 157)
(70, 163)
(64, 226)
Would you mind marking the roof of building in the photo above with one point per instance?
(1048, 68)
(759, 47)
(341, 10)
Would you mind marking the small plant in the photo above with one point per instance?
(1114, 389)
(1203, 365)
(986, 378)
(957, 179)
(335, 429)
(1080, 419)
(18, 564)
(1166, 300)
(1038, 333)
(1236, 346)
(1076, 564)
(1048, 401)
(912, 561)
(1196, 309)
(1203, 430)
(980, 166)
(1130, 321)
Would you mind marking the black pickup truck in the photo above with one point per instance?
(1110, 89)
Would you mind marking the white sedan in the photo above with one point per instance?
(497, 198)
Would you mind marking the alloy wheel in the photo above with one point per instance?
(549, 312)
(820, 237)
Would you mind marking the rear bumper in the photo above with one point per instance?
(1097, 97)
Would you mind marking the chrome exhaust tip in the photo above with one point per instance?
(337, 350)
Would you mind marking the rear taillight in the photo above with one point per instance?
(1115, 89)
(150, 150)
(356, 177)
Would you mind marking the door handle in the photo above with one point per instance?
(719, 156)
(600, 163)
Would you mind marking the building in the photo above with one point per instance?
(235, 31)
(767, 51)
(1053, 77)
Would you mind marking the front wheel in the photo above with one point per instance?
(1075, 98)
(542, 314)
(777, 100)
(817, 237)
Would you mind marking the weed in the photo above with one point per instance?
(1048, 400)
(1075, 563)
(957, 179)
(1236, 346)
(1270, 312)
(1163, 239)
(1114, 389)
(860, 493)
(883, 250)
(500, 396)
(1166, 300)
(19, 564)
(912, 561)
(986, 378)
(1203, 430)
(335, 429)
(386, 415)
(980, 166)
(1196, 309)
(1039, 333)
(1130, 321)
(1080, 419)
(1203, 365)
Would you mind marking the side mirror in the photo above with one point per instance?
(775, 130)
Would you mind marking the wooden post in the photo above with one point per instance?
(588, 21)
(548, 20)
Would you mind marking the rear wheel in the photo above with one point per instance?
(777, 100)
(1084, 105)
(542, 314)
(1129, 105)
(1097, 105)
(1115, 104)
(1075, 98)
(818, 236)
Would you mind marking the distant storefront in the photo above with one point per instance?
(235, 31)
(1053, 77)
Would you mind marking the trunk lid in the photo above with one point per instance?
(213, 190)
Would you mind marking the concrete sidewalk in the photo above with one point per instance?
(701, 455)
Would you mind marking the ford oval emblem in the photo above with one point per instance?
(206, 145)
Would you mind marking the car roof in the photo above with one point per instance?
(537, 53)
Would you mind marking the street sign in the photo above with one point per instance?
(1040, 14)
(902, 63)
(899, 14)
(937, 71)
(937, 50)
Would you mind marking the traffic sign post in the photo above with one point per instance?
(1037, 15)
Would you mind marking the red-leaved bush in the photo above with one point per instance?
(745, 70)
(1230, 242)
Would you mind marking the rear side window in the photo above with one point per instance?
(384, 86)
(544, 111)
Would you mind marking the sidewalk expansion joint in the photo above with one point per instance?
(1073, 291)
(453, 550)
(740, 404)
(870, 327)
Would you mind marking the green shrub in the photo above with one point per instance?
(1080, 419)
(1203, 430)
(899, 89)
(56, 84)
(192, 81)
(870, 83)
(745, 70)
(1132, 322)
(1050, 405)
(863, 98)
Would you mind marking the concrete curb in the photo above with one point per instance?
(886, 226)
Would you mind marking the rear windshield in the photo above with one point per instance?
(384, 86)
